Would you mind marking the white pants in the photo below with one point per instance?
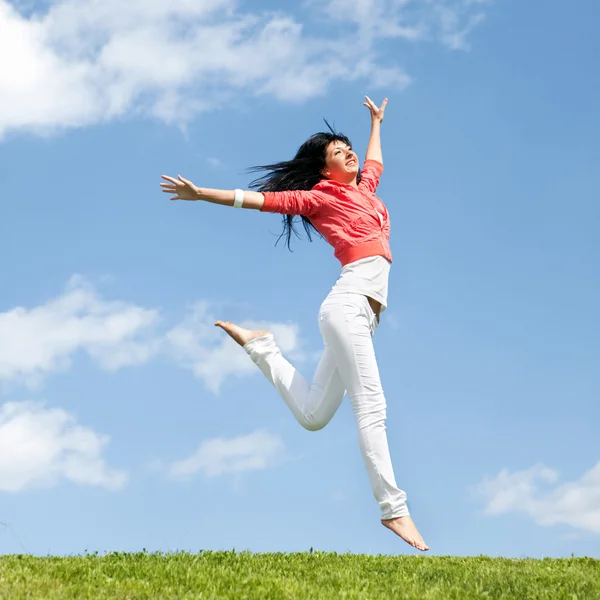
(348, 363)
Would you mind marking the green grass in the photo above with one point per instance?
(242, 575)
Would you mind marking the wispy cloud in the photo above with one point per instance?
(256, 451)
(444, 21)
(40, 446)
(537, 493)
(80, 62)
(456, 21)
(39, 341)
(215, 163)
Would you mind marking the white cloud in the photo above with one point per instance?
(80, 62)
(375, 18)
(256, 451)
(536, 493)
(42, 340)
(40, 446)
(446, 21)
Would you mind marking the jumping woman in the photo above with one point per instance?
(324, 186)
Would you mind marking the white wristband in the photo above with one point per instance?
(238, 200)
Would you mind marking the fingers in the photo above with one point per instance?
(170, 188)
(175, 182)
(186, 181)
(370, 104)
(173, 186)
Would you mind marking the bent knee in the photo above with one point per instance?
(312, 424)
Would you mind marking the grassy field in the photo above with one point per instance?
(242, 575)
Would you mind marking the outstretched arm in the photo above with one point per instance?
(374, 147)
(186, 190)
(291, 202)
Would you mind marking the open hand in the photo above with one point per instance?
(376, 113)
(183, 189)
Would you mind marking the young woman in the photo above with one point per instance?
(323, 185)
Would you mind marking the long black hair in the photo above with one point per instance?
(303, 172)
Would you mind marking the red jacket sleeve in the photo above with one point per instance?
(369, 176)
(294, 202)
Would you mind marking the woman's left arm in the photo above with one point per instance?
(374, 147)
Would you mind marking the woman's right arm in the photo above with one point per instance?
(186, 190)
(292, 202)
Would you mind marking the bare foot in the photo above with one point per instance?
(239, 334)
(407, 530)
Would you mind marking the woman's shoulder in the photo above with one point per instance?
(324, 184)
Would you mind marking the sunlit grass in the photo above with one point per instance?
(242, 575)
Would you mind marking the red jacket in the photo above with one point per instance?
(347, 217)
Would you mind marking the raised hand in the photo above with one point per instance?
(182, 188)
(376, 113)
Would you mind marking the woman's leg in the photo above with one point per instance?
(312, 404)
(348, 327)
(348, 362)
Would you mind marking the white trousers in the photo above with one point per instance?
(347, 323)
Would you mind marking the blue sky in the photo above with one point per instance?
(128, 421)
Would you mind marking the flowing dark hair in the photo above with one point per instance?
(303, 172)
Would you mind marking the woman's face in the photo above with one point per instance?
(341, 163)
